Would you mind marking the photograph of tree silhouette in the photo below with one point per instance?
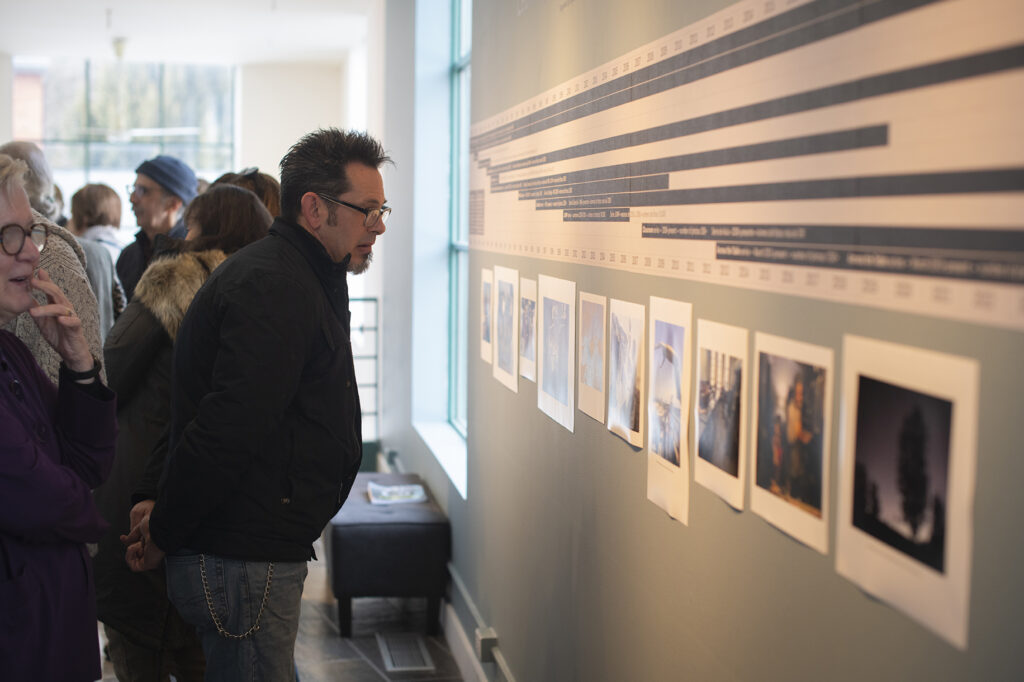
(901, 462)
(790, 424)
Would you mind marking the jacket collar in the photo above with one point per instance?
(332, 276)
(176, 233)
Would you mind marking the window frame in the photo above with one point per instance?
(86, 138)
(458, 241)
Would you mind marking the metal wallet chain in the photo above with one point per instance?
(213, 614)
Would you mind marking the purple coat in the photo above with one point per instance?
(55, 445)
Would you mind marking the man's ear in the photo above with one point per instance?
(176, 204)
(313, 211)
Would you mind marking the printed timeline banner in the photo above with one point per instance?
(866, 153)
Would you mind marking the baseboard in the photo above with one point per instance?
(461, 647)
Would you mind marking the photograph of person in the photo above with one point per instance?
(790, 426)
(666, 392)
(669, 334)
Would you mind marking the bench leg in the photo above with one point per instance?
(345, 616)
(433, 615)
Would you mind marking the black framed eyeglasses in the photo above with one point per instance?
(372, 214)
(12, 237)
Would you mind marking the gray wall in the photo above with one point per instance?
(557, 547)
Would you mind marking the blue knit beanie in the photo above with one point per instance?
(173, 175)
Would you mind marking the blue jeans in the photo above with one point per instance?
(236, 589)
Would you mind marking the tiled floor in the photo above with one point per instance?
(323, 656)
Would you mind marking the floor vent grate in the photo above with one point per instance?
(404, 652)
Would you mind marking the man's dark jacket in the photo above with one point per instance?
(136, 257)
(265, 437)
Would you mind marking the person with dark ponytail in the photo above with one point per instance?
(146, 637)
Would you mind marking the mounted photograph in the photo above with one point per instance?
(789, 486)
(907, 463)
(668, 406)
(625, 371)
(528, 329)
(557, 335)
(506, 328)
(486, 314)
(720, 410)
(591, 377)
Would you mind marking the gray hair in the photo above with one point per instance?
(38, 179)
(12, 173)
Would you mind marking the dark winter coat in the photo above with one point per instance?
(138, 356)
(136, 257)
(55, 444)
(265, 461)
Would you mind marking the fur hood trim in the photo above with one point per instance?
(169, 285)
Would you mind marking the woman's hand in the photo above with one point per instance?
(60, 325)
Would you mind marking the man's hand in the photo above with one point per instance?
(142, 554)
(139, 511)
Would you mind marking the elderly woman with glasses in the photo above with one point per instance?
(56, 444)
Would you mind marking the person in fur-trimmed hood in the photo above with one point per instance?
(143, 629)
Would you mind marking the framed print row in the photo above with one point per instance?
(907, 427)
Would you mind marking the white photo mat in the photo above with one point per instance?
(668, 407)
(787, 508)
(592, 352)
(486, 314)
(528, 329)
(720, 428)
(556, 338)
(898, 381)
(506, 327)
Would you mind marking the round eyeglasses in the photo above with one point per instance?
(12, 237)
(372, 215)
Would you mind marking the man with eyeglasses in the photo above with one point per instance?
(265, 439)
(164, 186)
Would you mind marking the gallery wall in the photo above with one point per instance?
(557, 544)
(270, 123)
(6, 95)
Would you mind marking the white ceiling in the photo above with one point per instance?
(195, 31)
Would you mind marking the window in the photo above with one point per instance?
(439, 57)
(97, 121)
(458, 258)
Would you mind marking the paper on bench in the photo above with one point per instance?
(395, 494)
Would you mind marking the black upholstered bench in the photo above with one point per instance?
(398, 550)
